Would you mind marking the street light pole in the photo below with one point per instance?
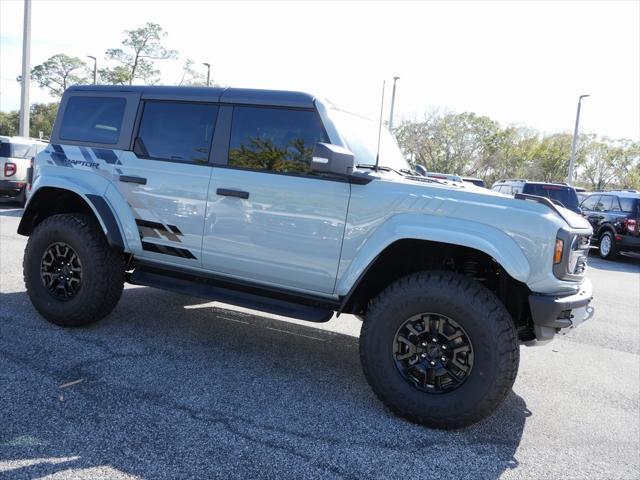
(393, 101)
(208, 73)
(574, 142)
(95, 69)
(23, 129)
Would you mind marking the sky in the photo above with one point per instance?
(522, 63)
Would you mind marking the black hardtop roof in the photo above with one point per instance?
(249, 96)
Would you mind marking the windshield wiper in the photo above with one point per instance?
(381, 167)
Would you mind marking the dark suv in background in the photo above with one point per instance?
(559, 193)
(614, 216)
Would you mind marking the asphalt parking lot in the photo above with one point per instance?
(170, 386)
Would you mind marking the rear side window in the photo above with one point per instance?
(93, 119)
(629, 205)
(176, 131)
(274, 139)
(565, 195)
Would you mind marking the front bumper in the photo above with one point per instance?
(552, 314)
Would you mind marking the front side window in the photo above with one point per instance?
(93, 119)
(176, 131)
(274, 139)
(604, 204)
(590, 202)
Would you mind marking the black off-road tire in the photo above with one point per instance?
(102, 270)
(612, 252)
(488, 325)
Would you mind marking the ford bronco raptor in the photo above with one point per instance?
(281, 202)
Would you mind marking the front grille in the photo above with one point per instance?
(578, 254)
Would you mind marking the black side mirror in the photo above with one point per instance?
(328, 158)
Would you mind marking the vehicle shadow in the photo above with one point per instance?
(626, 262)
(9, 208)
(170, 386)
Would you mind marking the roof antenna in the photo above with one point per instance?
(380, 127)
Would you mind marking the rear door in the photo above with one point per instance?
(166, 177)
(270, 220)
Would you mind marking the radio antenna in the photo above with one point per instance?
(380, 127)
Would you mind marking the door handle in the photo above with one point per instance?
(129, 179)
(226, 192)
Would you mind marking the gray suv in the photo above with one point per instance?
(281, 202)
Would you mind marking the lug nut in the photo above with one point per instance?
(424, 344)
(434, 340)
(444, 359)
(432, 362)
(424, 355)
(444, 347)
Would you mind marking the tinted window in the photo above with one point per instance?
(629, 205)
(93, 119)
(15, 150)
(274, 139)
(176, 131)
(604, 204)
(565, 195)
(590, 202)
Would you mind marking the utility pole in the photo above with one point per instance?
(95, 69)
(208, 73)
(393, 101)
(23, 129)
(574, 142)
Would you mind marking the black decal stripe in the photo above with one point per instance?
(113, 232)
(175, 230)
(167, 250)
(86, 155)
(171, 232)
(105, 154)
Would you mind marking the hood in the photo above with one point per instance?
(465, 189)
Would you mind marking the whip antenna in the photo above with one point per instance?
(380, 127)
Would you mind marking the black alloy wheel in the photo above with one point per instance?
(61, 271)
(433, 353)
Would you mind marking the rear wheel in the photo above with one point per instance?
(72, 275)
(439, 349)
(608, 248)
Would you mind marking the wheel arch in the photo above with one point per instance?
(52, 200)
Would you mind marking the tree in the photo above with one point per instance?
(143, 46)
(9, 123)
(58, 73)
(610, 162)
(190, 76)
(42, 117)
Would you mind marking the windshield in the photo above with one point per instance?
(565, 195)
(361, 136)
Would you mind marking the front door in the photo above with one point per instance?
(269, 219)
(165, 179)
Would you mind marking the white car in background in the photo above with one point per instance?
(15, 158)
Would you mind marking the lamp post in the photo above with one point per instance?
(23, 124)
(393, 101)
(208, 73)
(574, 142)
(95, 69)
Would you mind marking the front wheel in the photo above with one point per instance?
(439, 349)
(72, 276)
